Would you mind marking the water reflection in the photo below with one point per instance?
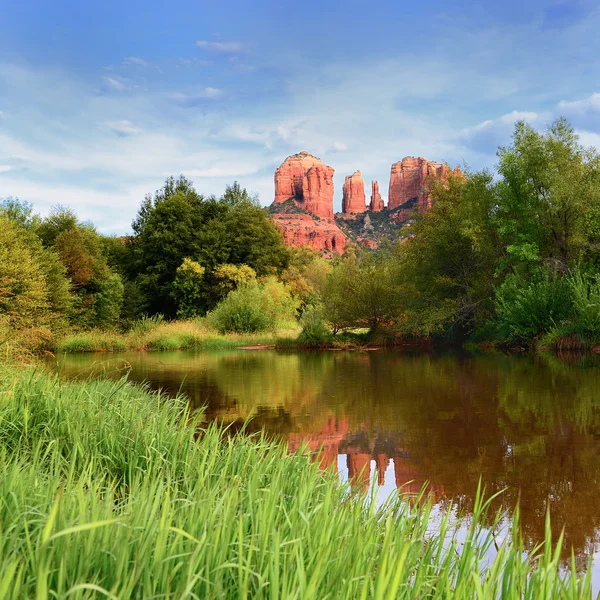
(531, 426)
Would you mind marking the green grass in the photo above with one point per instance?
(109, 490)
(176, 335)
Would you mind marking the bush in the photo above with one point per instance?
(242, 311)
(315, 331)
(528, 309)
(254, 307)
(585, 289)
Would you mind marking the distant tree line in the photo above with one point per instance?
(510, 256)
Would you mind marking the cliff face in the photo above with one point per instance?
(308, 181)
(302, 229)
(376, 199)
(303, 205)
(409, 181)
(353, 199)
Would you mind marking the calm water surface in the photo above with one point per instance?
(529, 425)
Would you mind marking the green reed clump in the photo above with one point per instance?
(109, 490)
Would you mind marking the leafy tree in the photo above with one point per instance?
(189, 289)
(59, 220)
(447, 268)
(177, 222)
(254, 306)
(361, 291)
(229, 277)
(23, 287)
(98, 289)
(548, 197)
(18, 211)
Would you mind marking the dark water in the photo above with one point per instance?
(529, 425)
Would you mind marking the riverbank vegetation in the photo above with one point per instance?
(112, 490)
(509, 258)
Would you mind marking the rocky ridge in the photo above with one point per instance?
(303, 205)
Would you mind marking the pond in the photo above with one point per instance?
(525, 424)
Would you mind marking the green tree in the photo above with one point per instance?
(361, 291)
(447, 267)
(548, 198)
(23, 288)
(177, 222)
(189, 289)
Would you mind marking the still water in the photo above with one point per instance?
(530, 425)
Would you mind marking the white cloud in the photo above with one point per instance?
(581, 106)
(5, 168)
(115, 83)
(210, 92)
(226, 171)
(122, 128)
(195, 98)
(485, 137)
(135, 60)
(221, 47)
(339, 146)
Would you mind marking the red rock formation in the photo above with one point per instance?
(308, 181)
(300, 229)
(353, 199)
(376, 199)
(410, 179)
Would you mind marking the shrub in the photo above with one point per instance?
(528, 309)
(242, 311)
(585, 289)
(315, 331)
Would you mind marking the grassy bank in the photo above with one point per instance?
(176, 335)
(109, 490)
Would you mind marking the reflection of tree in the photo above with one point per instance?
(529, 425)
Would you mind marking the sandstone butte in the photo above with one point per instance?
(310, 182)
(307, 181)
(409, 180)
(353, 198)
(376, 199)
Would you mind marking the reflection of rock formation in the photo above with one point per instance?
(323, 445)
(335, 438)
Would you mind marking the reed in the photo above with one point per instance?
(109, 490)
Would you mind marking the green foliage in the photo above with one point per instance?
(548, 197)
(189, 289)
(528, 309)
(241, 311)
(23, 288)
(178, 222)
(19, 212)
(447, 268)
(362, 291)
(98, 289)
(585, 291)
(315, 331)
(255, 307)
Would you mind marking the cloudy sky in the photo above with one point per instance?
(101, 100)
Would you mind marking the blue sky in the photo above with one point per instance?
(100, 101)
